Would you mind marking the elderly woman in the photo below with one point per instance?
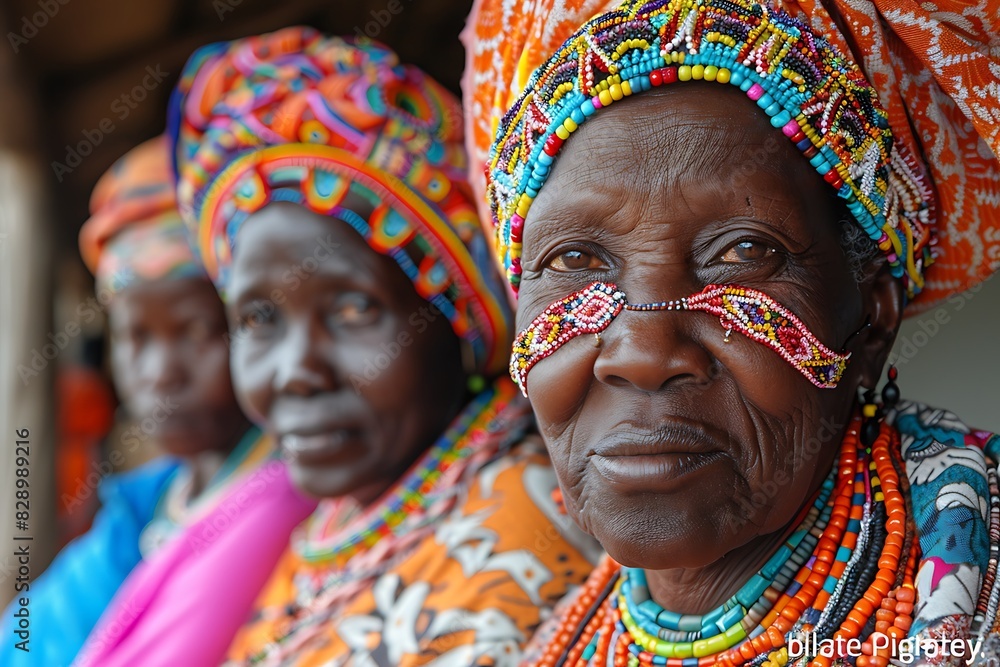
(324, 183)
(705, 281)
(170, 364)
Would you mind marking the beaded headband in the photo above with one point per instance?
(814, 95)
(742, 309)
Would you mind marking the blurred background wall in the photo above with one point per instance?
(84, 81)
(949, 356)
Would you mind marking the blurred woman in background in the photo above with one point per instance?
(170, 362)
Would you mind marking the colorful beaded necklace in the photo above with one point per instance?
(845, 572)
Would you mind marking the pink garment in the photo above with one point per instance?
(184, 605)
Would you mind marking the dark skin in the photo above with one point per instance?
(681, 453)
(354, 371)
(170, 360)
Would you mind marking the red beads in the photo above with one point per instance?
(552, 145)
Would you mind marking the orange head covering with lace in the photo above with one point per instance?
(135, 233)
(933, 65)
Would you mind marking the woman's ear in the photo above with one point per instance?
(883, 295)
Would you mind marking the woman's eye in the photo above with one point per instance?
(134, 336)
(198, 331)
(356, 310)
(747, 251)
(254, 317)
(574, 260)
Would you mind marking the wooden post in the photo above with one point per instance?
(25, 322)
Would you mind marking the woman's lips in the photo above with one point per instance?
(659, 463)
(661, 473)
(333, 446)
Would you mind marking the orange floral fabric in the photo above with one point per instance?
(936, 65)
(472, 593)
(504, 42)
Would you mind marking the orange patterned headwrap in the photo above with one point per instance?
(934, 65)
(135, 232)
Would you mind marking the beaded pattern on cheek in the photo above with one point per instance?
(747, 311)
(588, 311)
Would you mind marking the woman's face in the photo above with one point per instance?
(336, 353)
(170, 360)
(674, 447)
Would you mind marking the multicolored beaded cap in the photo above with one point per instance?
(818, 98)
(330, 123)
(742, 309)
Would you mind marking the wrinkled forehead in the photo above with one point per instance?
(164, 300)
(284, 236)
(673, 143)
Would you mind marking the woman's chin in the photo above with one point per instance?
(663, 554)
(674, 537)
(320, 482)
(182, 443)
(335, 482)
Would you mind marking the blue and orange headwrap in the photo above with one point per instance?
(813, 94)
(297, 116)
(135, 233)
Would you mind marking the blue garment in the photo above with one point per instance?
(69, 597)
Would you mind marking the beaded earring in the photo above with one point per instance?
(872, 416)
(873, 412)
(890, 392)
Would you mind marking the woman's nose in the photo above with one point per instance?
(652, 351)
(301, 367)
(163, 366)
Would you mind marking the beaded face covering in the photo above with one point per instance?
(815, 96)
(747, 311)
